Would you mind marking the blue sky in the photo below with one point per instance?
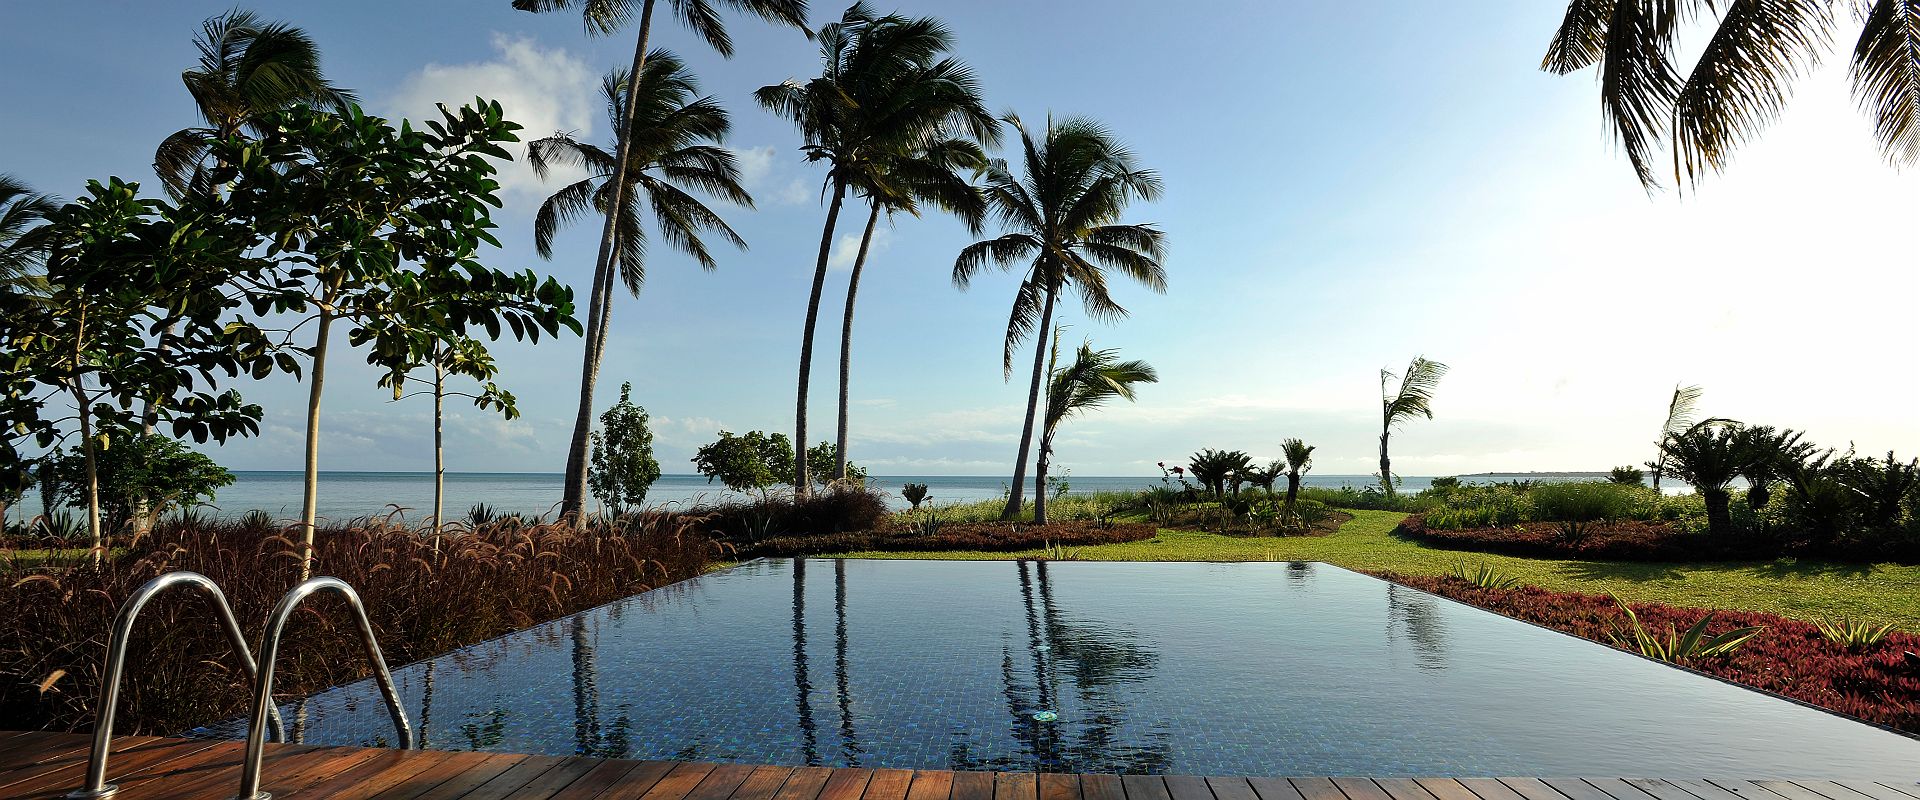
(1348, 185)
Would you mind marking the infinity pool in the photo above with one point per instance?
(1253, 669)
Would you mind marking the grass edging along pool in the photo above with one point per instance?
(1133, 667)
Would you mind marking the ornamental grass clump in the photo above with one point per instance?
(479, 583)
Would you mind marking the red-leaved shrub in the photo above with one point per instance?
(1878, 684)
(1614, 540)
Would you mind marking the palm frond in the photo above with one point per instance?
(1680, 409)
(1581, 38)
(1637, 78)
(1740, 83)
(1885, 71)
(1414, 398)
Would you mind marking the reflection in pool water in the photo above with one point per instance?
(1257, 669)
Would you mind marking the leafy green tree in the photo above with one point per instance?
(603, 17)
(885, 87)
(1709, 455)
(462, 356)
(1299, 457)
(828, 453)
(1413, 399)
(751, 462)
(116, 267)
(22, 255)
(1087, 383)
(249, 68)
(381, 229)
(1066, 232)
(623, 463)
(138, 471)
(1743, 76)
(1680, 413)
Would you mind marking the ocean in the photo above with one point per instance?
(350, 495)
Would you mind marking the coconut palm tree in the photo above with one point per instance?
(22, 256)
(248, 67)
(1413, 399)
(1299, 456)
(602, 17)
(1709, 455)
(677, 149)
(926, 172)
(886, 87)
(1742, 78)
(1066, 231)
(1093, 378)
(1679, 418)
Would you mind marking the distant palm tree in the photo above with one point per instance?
(1093, 378)
(1413, 399)
(1299, 456)
(1743, 76)
(248, 68)
(21, 255)
(885, 88)
(677, 149)
(603, 17)
(1679, 418)
(928, 172)
(1066, 231)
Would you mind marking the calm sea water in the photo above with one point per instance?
(350, 495)
(1199, 669)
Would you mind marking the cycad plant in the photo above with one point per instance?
(1679, 418)
(1744, 74)
(1709, 455)
(886, 88)
(1414, 398)
(1087, 383)
(1065, 231)
(676, 152)
(604, 17)
(22, 255)
(1219, 469)
(249, 67)
(1299, 456)
(1771, 456)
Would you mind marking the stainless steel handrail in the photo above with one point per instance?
(96, 786)
(263, 683)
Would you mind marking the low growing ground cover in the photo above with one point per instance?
(996, 536)
(1876, 682)
(1609, 540)
(1803, 589)
(424, 599)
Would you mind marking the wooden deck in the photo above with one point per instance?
(47, 765)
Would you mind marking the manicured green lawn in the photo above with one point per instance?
(1803, 589)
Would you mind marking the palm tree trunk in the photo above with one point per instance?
(310, 490)
(439, 450)
(1047, 427)
(573, 498)
(846, 344)
(1386, 466)
(1719, 515)
(1015, 498)
(800, 477)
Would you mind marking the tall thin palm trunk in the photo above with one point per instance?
(1386, 466)
(1043, 459)
(310, 489)
(1016, 493)
(801, 484)
(439, 450)
(573, 498)
(846, 343)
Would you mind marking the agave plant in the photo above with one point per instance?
(1483, 575)
(1679, 648)
(1853, 634)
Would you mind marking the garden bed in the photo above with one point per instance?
(1878, 683)
(1618, 540)
(994, 537)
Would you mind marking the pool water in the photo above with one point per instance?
(1250, 669)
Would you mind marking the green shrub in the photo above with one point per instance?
(1589, 501)
(1479, 507)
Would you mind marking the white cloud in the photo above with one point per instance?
(544, 90)
(847, 247)
(765, 175)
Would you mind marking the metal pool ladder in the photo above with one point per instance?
(96, 785)
(263, 678)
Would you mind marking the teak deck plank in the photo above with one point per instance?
(36, 765)
(936, 784)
